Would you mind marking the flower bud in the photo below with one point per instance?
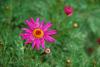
(47, 50)
(68, 10)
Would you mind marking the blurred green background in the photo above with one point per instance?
(75, 47)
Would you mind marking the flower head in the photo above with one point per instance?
(37, 32)
(68, 10)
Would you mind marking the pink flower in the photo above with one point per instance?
(37, 32)
(68, 10)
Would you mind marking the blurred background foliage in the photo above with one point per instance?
(75, 47)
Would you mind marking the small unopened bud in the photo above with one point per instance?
(44, 54)
(47, 50)
(75, 25)
(68, 61)
(68, 10)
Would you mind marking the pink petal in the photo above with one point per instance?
(43, 43)
(31, 37)
(37, 43)
(32, 20)
(37, 22)
(27, 30)
(49, 38)
(33, 45)
(25, 35)
(48, 25)
(51, 32)
(30, 24)
(41, 24)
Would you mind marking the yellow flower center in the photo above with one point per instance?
(38, 33)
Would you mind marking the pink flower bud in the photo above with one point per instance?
(68, 10)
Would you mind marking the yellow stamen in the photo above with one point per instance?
(38, 33)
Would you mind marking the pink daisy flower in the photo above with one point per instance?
(37, 32)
